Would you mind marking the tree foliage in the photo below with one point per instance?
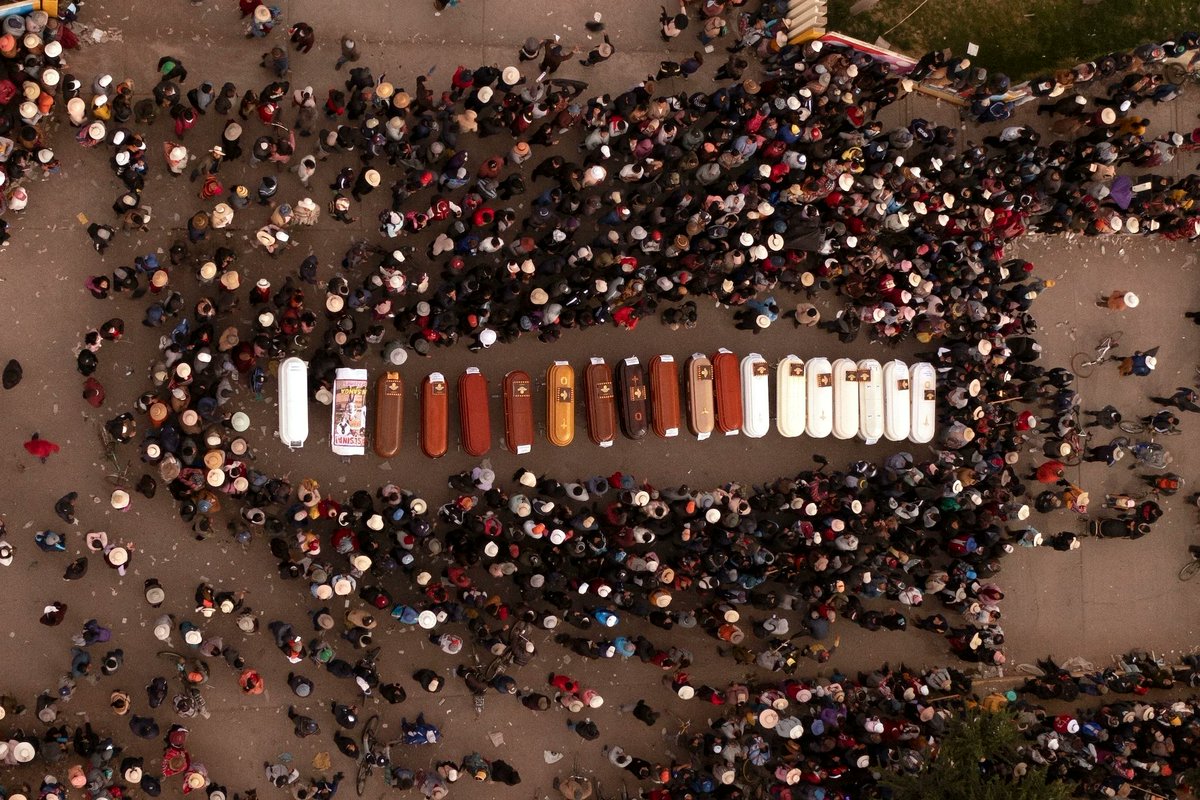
(975, 762)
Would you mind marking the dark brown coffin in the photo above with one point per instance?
(435, 415)
(474, 418)
(601, 402)
(701, 414)
(518, 412)
(727, 390)
(664, 396)
(632, 393)
(389, 414)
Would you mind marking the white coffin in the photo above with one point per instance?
(791, 391)
(924, 403)
(819, 389)
(870, 401)
(897, 405)
(756, 396)
(293, 402)
(845, 398)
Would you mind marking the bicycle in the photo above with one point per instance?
(372, 755)
(1084, 367)
(1190, 569)
(119, 478)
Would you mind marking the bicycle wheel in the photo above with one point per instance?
(1132, 426)
(1189, 570)
(368, 734)
(1082, 365)
(360, 779)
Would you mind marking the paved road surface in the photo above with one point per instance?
(1104, 598)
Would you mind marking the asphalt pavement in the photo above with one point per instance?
(1102, 599)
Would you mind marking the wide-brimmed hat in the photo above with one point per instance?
(510, 75)
(262, 14)
(119, 499)
(372, 178)
(23, 752)
(1131, 300)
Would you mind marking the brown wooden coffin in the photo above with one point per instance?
(518, 412)
(727, 390)
(560, 404)
(389, 414)
(474, 419)
(664, 396)
(601, 403)
(702, 418)
(435, 415)
(632, 398)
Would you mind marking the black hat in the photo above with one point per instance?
(12, 374)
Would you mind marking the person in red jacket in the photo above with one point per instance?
(41, 448)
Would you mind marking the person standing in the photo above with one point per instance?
(1118, 300)
(1184, 399)
(349, 52)
(599, 54)
(1140, 364)
(302, 36)
(554, 57)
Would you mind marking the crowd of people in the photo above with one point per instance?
(518, 204)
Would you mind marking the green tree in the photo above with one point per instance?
(975, 763)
